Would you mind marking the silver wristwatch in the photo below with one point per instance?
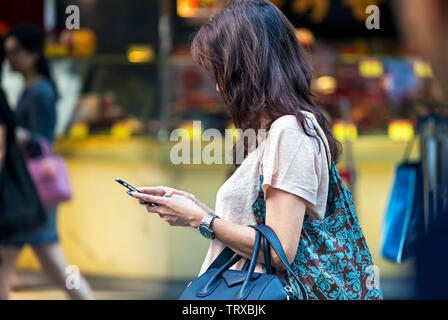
(204, 226)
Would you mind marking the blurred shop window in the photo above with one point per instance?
(196, 98)
(114, 93)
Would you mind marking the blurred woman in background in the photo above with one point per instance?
(36, 118)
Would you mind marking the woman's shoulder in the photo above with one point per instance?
(286, 121)
(43, 89)
(287, 133)
(289, 127)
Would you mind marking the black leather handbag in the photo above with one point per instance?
(220, 283)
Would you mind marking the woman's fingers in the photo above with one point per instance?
(170, 193)
(152, 209)
(163, 191)
(149, 198)
(156, 191)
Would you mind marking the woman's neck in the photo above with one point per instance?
(31, 77)
(265, 121)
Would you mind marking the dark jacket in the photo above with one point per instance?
(21, 211)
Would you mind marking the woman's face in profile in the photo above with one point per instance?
(18, 57)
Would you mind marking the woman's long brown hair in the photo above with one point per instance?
(259, 66)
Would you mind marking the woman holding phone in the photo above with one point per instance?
(264, 79)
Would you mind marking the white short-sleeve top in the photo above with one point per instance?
(290, 160)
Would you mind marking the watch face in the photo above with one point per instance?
(205, 232)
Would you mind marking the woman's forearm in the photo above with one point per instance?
(284, 214)
(238, 237)
(203, 206)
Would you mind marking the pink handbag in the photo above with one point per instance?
(50, 176)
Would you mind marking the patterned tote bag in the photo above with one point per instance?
(333, 260)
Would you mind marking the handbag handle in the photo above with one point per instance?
(45, 146)
(253, 262)
(224, 265)
(408, 150)
(273, 240)
(325, 147)
(267, 258)
(228, 258)
(267, 255)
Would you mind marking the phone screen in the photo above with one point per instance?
(127, 185)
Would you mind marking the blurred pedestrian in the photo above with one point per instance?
(20, 208)
(36, 117)
(424, 26)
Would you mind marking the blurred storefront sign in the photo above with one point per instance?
(337, 17)
(318, 10)
(324, 17)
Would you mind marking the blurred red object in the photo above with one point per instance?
(346, 175)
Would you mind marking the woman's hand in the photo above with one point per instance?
(173, 206)
(168, 192)
(165, 191)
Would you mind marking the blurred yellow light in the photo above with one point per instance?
(232, 131)
(195, 8)
(305, 36)
(84, 43)
(191, 132)
(371, 68)
(121, 130)
(79, 131)
(53, 50)
(78, 43)
(326, 85)
(400, 130)
(345, 131)
(140, 54)
(185, 9)
(422, 69)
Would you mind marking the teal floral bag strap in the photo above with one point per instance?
(333, 260)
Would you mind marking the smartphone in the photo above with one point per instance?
(127, 185)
